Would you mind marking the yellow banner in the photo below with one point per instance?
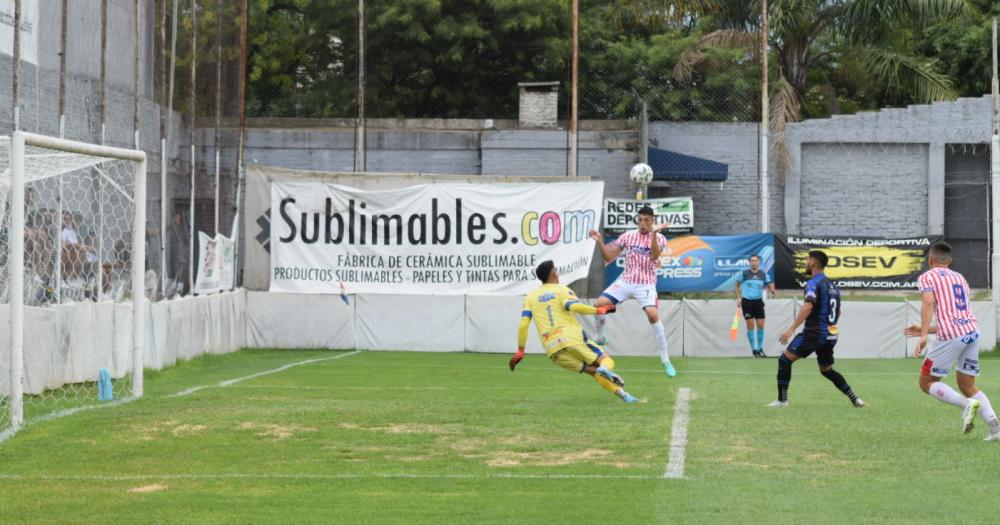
(865, 261)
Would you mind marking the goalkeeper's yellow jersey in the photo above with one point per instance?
(548, 306)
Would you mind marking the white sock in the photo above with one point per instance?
(661, 340)
(986, 412)
(945, 393)
(602, 319)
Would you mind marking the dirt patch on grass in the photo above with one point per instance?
(188, 430)
(277, 432)
(402, 428)
(545, 458)
(147, 489)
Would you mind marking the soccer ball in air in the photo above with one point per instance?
(641, 174)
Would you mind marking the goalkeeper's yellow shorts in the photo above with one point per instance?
(574, 357)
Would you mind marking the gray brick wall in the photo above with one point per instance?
(872, 190)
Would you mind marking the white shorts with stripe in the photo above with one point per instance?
(622, 290)
(962, 351)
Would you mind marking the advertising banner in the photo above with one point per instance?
(216, 264)
(678, 212)
(694, 263)
(855, 262)
(447, 238)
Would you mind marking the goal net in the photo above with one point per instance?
(72, 258)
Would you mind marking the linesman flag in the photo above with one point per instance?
(734, 329)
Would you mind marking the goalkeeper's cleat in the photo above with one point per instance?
(778, 404)
(969, 415)
(629, 398)
(668, 368)
(995, 436)
(611, 376)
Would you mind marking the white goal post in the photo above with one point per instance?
(34, 158)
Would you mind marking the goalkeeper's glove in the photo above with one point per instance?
(609, 309)
(517, 358)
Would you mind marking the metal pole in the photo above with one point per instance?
(64, 22)
(99, 270)
(57, 289)
(135, 77)
(104, 66)
(361, 129)
(644, 134)
(995, 177)
(15, 268)
(242, 131)
(765, 122)
(192, 139)
(17, 65)
(218, 108)
(163, 147)
(574, 88)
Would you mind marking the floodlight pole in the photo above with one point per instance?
(17, 65)
(192, 138)
(361, 128)
(571, 166)
(64, 22)
(765, 196)
(995, 175)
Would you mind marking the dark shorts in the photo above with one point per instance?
(752, 308)
(805, 345)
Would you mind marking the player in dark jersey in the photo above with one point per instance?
(820, 313)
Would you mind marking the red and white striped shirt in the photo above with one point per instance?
(639, 267)
(951, 302)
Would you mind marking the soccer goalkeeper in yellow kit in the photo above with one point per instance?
(552, 306)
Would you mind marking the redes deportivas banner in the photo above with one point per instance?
(449, 239)
(702, 263)
(854, 262)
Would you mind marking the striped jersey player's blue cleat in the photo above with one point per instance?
(668, 368)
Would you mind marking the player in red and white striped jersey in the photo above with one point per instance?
(945, 295)
(642, 248)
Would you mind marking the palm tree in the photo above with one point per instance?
(866, 39)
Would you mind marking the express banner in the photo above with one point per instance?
(693, 263)
(854, 262)
(450, 239)
(678, 212)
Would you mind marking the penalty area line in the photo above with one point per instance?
(317, 476)
(229, 382)
(678, 435)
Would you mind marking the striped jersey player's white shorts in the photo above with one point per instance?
(622, 290)
(962, 351)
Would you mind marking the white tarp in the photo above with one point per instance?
(434, 323)
(432, 239)
(70, 343)
(282, 320)
(707, 324)
(216, 264)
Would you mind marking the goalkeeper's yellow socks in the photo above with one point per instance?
(606, 383)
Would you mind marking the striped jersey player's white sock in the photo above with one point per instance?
(661, 340)
(602, 319)
(986, 412)
(945, 393)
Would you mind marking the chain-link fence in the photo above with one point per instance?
(967, 210)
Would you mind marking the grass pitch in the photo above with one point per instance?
(457, 438)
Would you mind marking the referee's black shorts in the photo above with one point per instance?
(752, 308)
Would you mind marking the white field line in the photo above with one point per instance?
(11, 431)
(58, 414)
(679, 435)
(321, 477)
(622, 370)
(229, 382)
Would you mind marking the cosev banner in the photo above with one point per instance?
(678, 212)
(703, 263)
(449, 239)
(855, 262)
